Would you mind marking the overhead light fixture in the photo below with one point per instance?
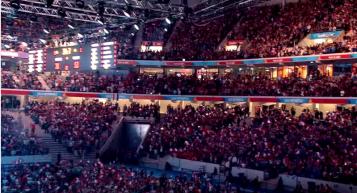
(43, 41)
(46, 31)
(70, 26)
(80, 4)
(167, 20)
(80, 35)
(61, 12)
(49, 3)
(100, 21)
(106, 31)
(165, 29)
(132, 34)
(136, 27)
(15, 4)
(126, 13)
(6, 46)
(101, 8)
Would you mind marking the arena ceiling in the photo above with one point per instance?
(25, 20)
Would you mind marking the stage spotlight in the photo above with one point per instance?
(126, 13)
(136, 27)
(101, 21)
(101, 8)
(49, 3)
(167, 20)
(80, 4)
(62, 12)
(70, 26)
(15, 4)
(46, 31)
(33, 18)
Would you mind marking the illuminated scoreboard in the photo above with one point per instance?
(66, 58)
(95, 56)
(103, 55)
(36, 61)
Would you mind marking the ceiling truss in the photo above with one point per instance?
(113, 10)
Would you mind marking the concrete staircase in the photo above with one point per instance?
(54, 146)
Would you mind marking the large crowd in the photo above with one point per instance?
(311, 144)
(229, 84)
(81, 127)
(265, 31)
(145, 111)
(20, 80)
(16, 141)
(240, 85)
(95, 177)
(273, 31)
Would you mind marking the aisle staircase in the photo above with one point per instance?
(54, 146)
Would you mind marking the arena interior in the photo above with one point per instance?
(178, 96)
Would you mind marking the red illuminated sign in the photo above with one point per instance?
(57, 66)
(76, 64)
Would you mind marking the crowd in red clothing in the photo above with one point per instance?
(272, 31)
(275, 140)
(95, 177)
(80, 127)
(85, 82)
(265, 31)
(229, 84)
(18, 142)
(240, 85)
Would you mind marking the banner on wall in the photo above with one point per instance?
(230, 62)
(178, 98)
(335, 56)
(235, 99)
(178, 63)
(126, 62)
(45, 94)
(324, 35)
(278, 60)
(293, 100)
(106, 95)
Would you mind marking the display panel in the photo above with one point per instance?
(36, 61)
(95, 56)
(102, 55)
(66, 58)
